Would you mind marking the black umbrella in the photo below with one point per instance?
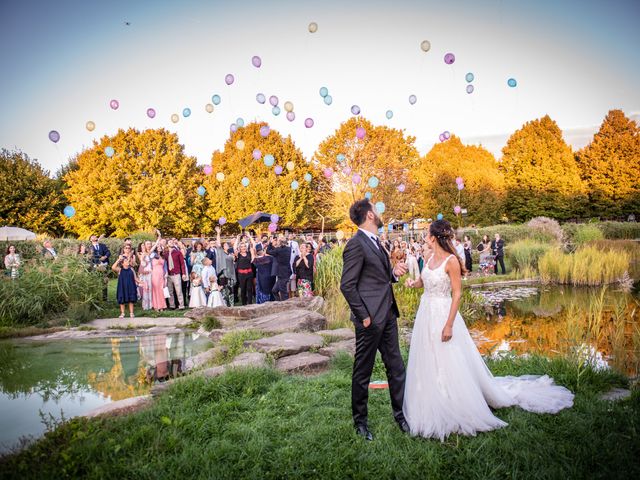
(258, 217)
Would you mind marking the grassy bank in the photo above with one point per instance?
(260, 424)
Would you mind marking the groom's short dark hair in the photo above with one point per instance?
(358, 211)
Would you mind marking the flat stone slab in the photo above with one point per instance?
(254, 311)
(249, 359)
(338, 333)
(127, 405)
(332, 349)
(127, 322)
(289, 321)
(615, 394)
(286, 344)
(302, 362)
(79, 334)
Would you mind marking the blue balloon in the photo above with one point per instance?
(512, 82)
(69, 211)
(186, 112)
(389, 114)
(380, 207)
(269, 160)
(276, 110)
(368, 195)
(374, 182)
(201, 190)
(240, 122)
(439, 216)
(341, 157)
(260, 98)
(469, 77)
(324, 91)
(307, 177)
(294, 185)
(216, 99)
(109, 151)
(328, 100)
(245, 182)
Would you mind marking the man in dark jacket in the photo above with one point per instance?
(281, 253)
(497, 248)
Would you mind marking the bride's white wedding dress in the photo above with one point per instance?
(449, 389)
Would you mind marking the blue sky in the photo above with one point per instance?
(65, 60)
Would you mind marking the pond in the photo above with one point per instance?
(72, 377)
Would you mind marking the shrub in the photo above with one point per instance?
(620, 230)
(32, 249)
(579, 234)
(525, 254)
(587, 266)
(547, 226)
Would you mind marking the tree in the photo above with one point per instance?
(483, 193)
(30, 199)
(610, 167)
(148, 183)
(541, 174)
(384, 153)
(295, 203)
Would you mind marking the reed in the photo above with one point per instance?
(525, 254)
(588, 266)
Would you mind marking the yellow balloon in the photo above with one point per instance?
(240, 144)
(90, 126)
(220, 176)
(339, 234)
(313, 27)
(209, 108)
(288, 106)
(425, 45)
(291, 166)
(175, 118)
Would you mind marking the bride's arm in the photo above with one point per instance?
(411, 283)
(453, 270)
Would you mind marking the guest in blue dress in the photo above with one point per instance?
(264, 278)
(127, 291)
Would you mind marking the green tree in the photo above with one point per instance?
(29, 198)
(148, 183)
(541, 174)
(610, 167)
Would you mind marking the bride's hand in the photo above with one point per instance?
(447, 334)
(409, 282)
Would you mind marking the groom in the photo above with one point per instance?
(366, 284)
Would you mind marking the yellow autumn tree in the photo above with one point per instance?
(295, 194)
(147, 183)
(483, 192)
(379, 163)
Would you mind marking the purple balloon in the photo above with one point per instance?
(275, 218)
(413, 99)
(346, 170)
(401, 187)
(228, 79)
(291, 116)
(114, 104)
(355, 109)
(360, 132)
(446, 134)
(356, 179)
(151, 113)
(441, 137)
(256, 61)
(257, 154)
(273, 100)
(449, 58)
(469, 88)
(308, 122)
(278, 169)
(264, 131)
(460, 186)
(233, 127)
(222, 221)
(54, 136)
(457, 209)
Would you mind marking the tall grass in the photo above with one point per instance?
(525, 254)
(588, 266)
(587, 233)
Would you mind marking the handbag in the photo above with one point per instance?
(165, 291)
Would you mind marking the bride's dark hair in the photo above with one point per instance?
(443, 233)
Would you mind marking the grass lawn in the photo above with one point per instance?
(261, 424)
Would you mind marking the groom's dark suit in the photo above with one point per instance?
(367, 279)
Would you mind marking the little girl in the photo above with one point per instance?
(127, 291)
(197, 297)
(215, 297)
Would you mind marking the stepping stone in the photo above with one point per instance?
(302, 362)
(286, 344)
(332, 349)
(338, 333)
(127, 405)
(250, 359)
(254, 311)
(615, 394)
(204, 357)
(290, 321)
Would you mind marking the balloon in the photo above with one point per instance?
(439, 216)
(356, 179)
(186, 112)
(308, 122)
(294, 185)
(389, 114)
(54, 136)
(240, 122)
(328, 172)
(220, 177)
(69, 211)
(209, 108)
(457, 209)
(291, 116)
(256, 61)
(425, 45)
(257, 154)
(151, 113)
(469, 77)
(228, 79)
(380, 207)
(240, 144)
(441, 137)
(288, 106)
(328, 100)
(401, 187)
(459, 180)
(307, 177)
(275, 218)
(449, 58)
(269, 160)
(264, 131)
(275, 110)
(278, 169)
(109, 151)
(215, 99)
(290, 166)
(260, 98)
(245, 182)
(273, 100)
(469, 88)
(201, 190)
(339, 234)
(207, 169)
(313, 27)
(368, 195)
(446, 134)
(341, 157)
(360, 132)
(273, 227)
(175, 118)
(324, 91)
(512, 82)
(222, 221)
(346, 170)
(373, 182)
(461, 186)
(90, 126)
(355, 109)
(114, 104)
(233, 127)
(413, 99)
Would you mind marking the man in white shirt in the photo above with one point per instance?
(208, 272)
(49, 251)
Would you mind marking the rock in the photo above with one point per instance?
(338, 334)
(250, 359)
(332, 349)
(137, 322)
(289, 321)
(302, 362)
(127, 405)
(288, 343)
(615, 394)
(254, 311)
(204, 357)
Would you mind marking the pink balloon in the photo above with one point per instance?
(228, 79)
(308, 122)
(441, 137)
(449, 58)
(273, 227)
(346, 170)
(457, 209)
(257, 154)
(401, 187)
(273, 100)
(278, 169)
(459, 180)
(291, 116)
(222, 221)
(356, 179)
(461, 186)
(207, 169)
(360, 132)
(256, 61)
(114, 104)
(151, 113)
(328, 172)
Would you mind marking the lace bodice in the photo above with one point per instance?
(436, 282)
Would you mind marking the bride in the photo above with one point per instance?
(449, 389)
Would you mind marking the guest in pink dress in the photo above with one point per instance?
(158, 281)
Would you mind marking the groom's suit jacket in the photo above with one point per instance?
(367, 279)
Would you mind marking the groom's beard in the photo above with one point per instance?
(379, 223)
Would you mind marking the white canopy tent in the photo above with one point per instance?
(14, 234)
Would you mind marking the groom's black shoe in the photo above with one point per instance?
(404, 426)
(363, 431)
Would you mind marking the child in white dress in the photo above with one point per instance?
(198, 297)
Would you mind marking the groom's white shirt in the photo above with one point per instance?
(374, 238)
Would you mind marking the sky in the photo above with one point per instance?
(65, 60)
